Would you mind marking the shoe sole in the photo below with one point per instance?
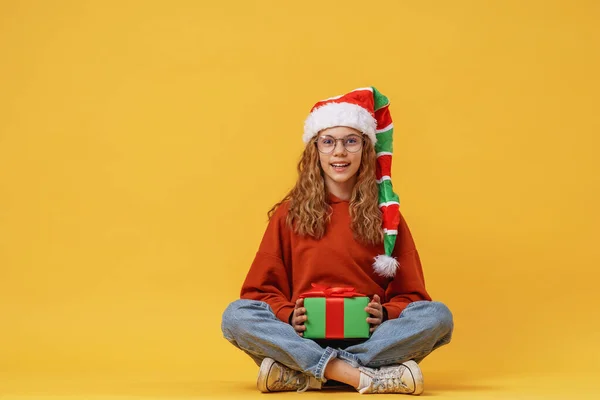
(417, 375)
(263, 374)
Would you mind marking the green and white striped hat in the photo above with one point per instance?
(366, 110)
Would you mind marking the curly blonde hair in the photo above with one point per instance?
(309, 213)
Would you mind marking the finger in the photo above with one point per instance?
(300, 319)
(370, 310)
(371, 330)
(300, 311)
(300, 334)
(376, 299)
(299, 303)
(374, 312)
(374, 321)
(300, 328)
(374, 304)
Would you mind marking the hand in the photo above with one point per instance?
(375, 309)
(299, 317)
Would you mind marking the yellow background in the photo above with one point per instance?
(142, 143)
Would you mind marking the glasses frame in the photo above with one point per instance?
(362, 143)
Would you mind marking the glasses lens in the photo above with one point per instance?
(353, 143)
(325, 144)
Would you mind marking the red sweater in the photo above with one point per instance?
(286, 264)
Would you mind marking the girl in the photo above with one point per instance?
(340, 216)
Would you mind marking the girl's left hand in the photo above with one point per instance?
(376, 310)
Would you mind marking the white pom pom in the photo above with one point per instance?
(385, 265)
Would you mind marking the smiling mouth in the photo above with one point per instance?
(338, 167)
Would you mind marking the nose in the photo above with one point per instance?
(339, 148)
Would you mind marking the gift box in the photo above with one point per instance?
(335, 313)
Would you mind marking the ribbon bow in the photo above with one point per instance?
(326, 291)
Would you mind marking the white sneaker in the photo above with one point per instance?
(276, 377)
(404, 378)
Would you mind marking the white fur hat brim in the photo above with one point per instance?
(339, 114)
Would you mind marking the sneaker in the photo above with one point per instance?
(404, 378)
(276, 377)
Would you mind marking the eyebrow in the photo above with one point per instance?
(345, 136)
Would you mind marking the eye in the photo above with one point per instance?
(352, 140)
(326, 141)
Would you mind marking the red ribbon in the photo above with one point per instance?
(326, 291)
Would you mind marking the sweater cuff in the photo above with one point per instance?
(285, 313)
(385, 314)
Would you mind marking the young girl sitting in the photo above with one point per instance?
(340, 226)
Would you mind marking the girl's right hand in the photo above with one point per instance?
(299, 317)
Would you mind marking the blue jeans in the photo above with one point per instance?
(252, 326)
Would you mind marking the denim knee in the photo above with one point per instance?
(436, 315)
(441, 317)
(237, 315)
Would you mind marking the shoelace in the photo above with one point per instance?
(290, 379)
(385, 380)
(305, 387)
(387, 384)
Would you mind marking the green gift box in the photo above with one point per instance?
(335, 313)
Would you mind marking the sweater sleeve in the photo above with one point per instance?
(409, 283)
(269, 277)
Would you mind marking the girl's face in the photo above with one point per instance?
(340, 165)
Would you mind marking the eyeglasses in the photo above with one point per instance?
(352, 143)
